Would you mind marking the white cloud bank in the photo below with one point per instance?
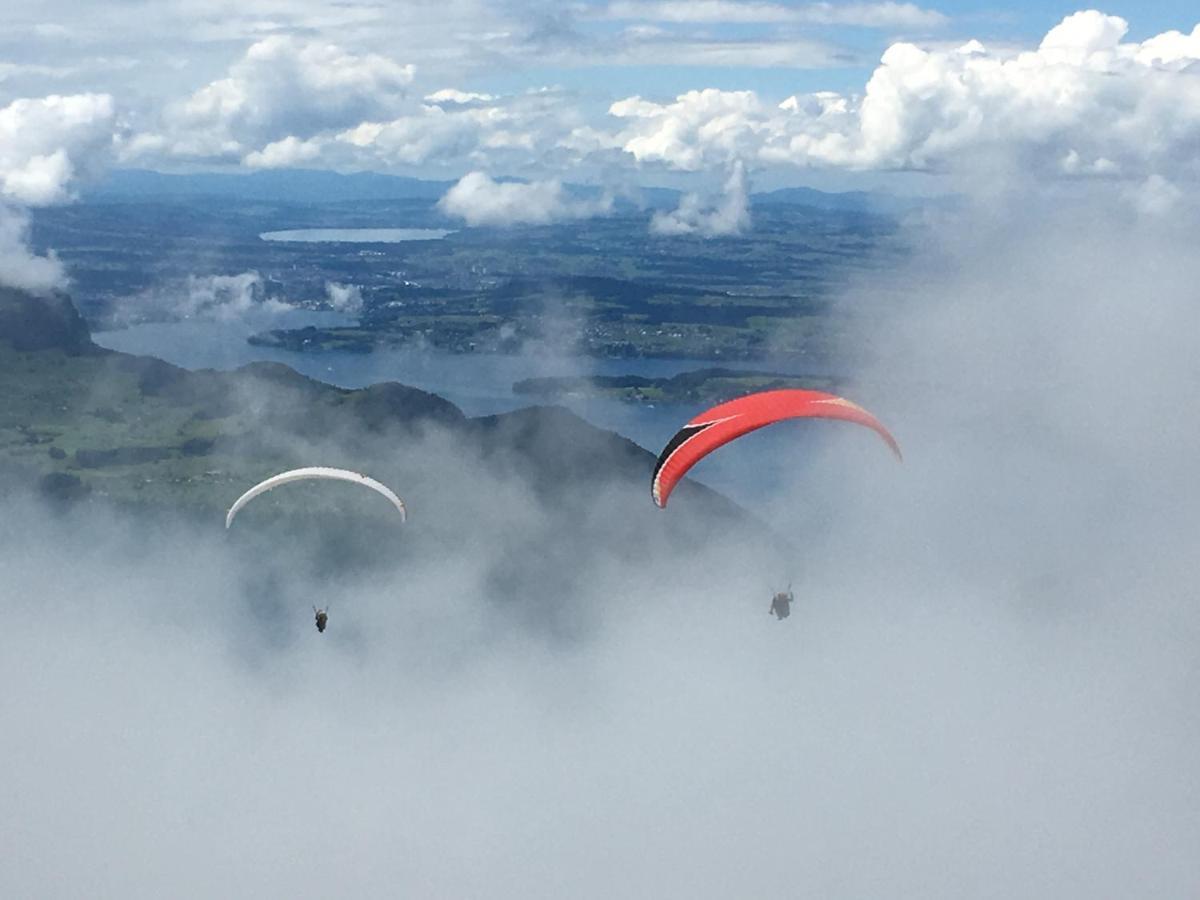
(281, 91)
(1085, 103)
(989, 678)
(46, 144)
(1082, 103)
(290, 103)
(479, 200)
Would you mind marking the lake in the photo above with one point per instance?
(479, 384)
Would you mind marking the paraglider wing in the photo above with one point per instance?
(315, 472)
(723, 423)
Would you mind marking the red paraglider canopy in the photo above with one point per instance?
(718, 426)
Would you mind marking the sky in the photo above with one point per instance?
(648, 91)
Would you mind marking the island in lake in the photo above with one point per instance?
(702, 385)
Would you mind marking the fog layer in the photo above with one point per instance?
(986, 687)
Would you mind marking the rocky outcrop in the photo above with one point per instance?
(29, 322)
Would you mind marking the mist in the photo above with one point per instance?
(730, 214)
(20, 267)
(221, 298)
(986, 687)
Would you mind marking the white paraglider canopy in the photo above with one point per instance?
(320, 473)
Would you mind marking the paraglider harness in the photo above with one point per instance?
(781, 604)
(322, 617)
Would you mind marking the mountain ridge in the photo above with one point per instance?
(324, 186)
(138, 429)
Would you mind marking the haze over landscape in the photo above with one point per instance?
(524, 244)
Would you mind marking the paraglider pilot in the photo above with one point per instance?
(781, 604)
(322, 618)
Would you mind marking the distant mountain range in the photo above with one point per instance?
(314, 186)
(845, 201)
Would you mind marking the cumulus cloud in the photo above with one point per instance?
(700, 129)
(288, 153)
(425, 134)
(452, 95)
(45, 143)
(729, 215)
(180, 45)
(283, 89)
(479, 200)
(513, 131)
(1081, 91)
(1171, 48)
(1082, 103)
(448, 131)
